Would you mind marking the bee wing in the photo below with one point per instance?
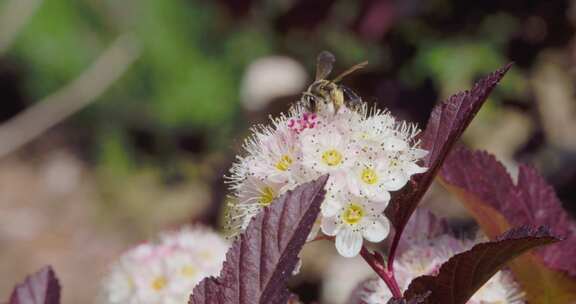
(351, 99)
(324, 64)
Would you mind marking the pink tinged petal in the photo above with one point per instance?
(375, 207)
(354, 184)
(377, 229)
(338, 180)
(381, 195)
(330, 208)
(330, 226)
(348, 242)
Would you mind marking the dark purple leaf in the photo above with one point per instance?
(531, 201)
(262, 258)
(463, 274)
(445, 126)
(539, 205)
(418, 299)
(41, 287)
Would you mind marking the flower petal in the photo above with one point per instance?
(314, 231)
(375, 207)
(331, 207)
(377, 229)
(412, 168)
(348, 243)
(380, 194)
(393, 143)
(330, 226)
(418, 153)
(396, 180)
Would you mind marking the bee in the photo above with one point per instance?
(323, 92)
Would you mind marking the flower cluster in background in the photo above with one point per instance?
(165, 271)
(367, 154)
(427, 257)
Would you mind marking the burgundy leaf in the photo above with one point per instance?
(531, 201)
(445, 126)
(463, 274)
(41, 287)
(263, 257)
(418, 299)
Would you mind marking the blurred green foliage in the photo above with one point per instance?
(194, 54)
(187, 77)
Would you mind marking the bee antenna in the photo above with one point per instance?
(351, 70)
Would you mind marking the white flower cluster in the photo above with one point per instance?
(165, 271)
(426, 259)
(367, 154)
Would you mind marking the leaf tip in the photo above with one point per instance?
(42, 285)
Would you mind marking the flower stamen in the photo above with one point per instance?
(267, 195)
(284, 163)
(352, 214)
(188, 271)
(369, 176)
(332, 157)
(159, 283)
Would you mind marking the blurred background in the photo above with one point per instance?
(119, 118)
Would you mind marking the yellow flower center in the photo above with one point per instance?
(206, 255)
(369, 176)
(159, 283)
(188, 271)
(284, 163)
(352, 214)
(267, 195)
(332, 157)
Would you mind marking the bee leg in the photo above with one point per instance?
(309, 102)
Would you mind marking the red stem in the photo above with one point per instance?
(392, 251)
(376, 261)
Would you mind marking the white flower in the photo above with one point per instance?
(251, 196)
(352, 221)
(501, 288)
(371, 179)
(367, 154)
(275, 154)
(426, 259)
(165, 271)
(325, 150)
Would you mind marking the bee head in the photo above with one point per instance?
(322, 88)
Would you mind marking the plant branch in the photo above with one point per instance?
(376, 261)
(14, 15)
(392, 252)
(70, 99)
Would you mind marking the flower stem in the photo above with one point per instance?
(376, 261)
(392, 252)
